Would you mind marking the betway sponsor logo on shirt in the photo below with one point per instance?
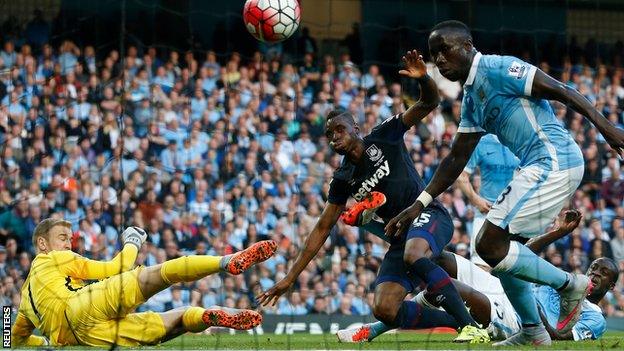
(367, 185)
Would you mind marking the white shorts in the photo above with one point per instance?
(504, 320)
(477, 223)
(533, 198)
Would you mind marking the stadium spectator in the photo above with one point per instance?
(218, 152)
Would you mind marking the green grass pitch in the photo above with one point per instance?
(397, 341)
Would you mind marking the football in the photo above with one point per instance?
(271, 20)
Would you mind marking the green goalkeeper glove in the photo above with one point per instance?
(135, 236)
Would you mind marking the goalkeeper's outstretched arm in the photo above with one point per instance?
(77, 266)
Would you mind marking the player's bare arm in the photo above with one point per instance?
(568, 222)
(463, 183)
(429, 98)
(449, 169)
(554, 333)
(313, 243)
(546, 87)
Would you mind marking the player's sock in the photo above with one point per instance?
(438, 281)
(414, 316)
(520, 294)
(225, 260)
(523, 263)
(377, 329)
(189, 268)
(192, 320)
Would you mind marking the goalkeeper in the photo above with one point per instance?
(68, 311)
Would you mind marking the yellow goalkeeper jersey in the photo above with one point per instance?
(53, 280)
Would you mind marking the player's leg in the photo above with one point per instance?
(540, 197)
(190, 268)
(197, 319)
(424, 240)
(477, 224)
(422, 243)
(503, 317)
(97, 314)
(95, 310)
(526, 207)
(519, 292)
(431, 314)
(532, 195)
(512, 257)
(392, 285)
(446, 260)
(478, 302)
(150, 328)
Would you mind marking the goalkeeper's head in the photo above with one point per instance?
(52, 235)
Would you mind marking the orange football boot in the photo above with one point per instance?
(232, 318)
(256, 253)
(362, 212)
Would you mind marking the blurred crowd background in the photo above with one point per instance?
(211, 152)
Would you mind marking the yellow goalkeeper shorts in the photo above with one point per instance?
(99, 314)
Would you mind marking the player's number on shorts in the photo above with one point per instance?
(505, 192)
(422, 219)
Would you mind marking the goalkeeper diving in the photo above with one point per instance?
(57, 300)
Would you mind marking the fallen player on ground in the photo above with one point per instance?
(488, 303)
(57, 300)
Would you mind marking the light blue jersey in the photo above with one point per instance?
(591, 325)
(497, 165)
(497, 99)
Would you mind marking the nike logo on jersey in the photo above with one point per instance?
(370, 183)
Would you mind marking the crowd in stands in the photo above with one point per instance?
(210, 154)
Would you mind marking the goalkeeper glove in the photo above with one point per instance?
(135, 236)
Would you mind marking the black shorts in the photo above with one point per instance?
(435, 226)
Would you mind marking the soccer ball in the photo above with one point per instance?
(271, 20)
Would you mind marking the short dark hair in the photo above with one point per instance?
(338, 112)
(453, 25)
(334, 113)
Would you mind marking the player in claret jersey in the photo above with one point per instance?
(484, 294)
(508, 97)
(380, 162)
(57, 300)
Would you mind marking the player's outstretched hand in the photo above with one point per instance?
(571, 220)
(135, 236)
(414, 65)
(482, 204)
(273, 294)
(401, 222)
